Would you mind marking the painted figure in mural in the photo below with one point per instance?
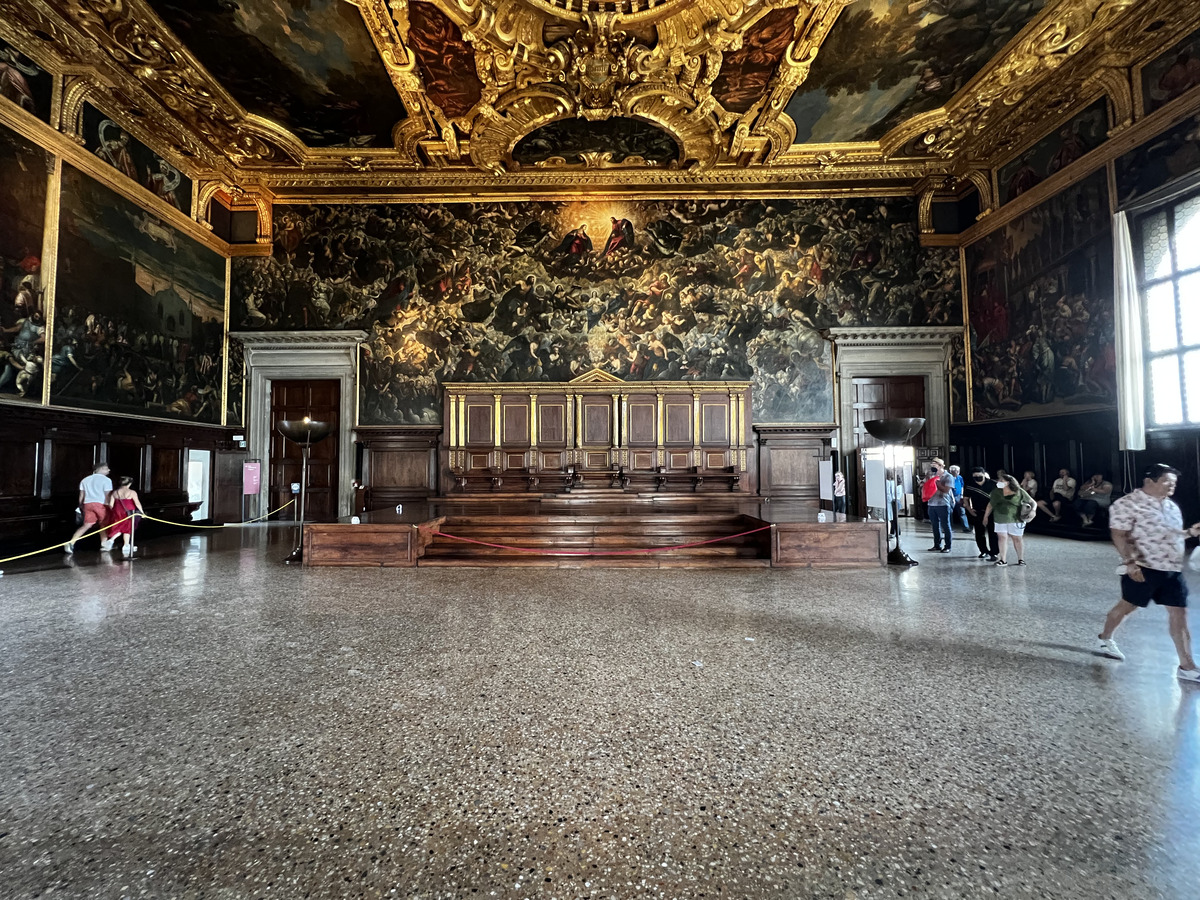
(26, 300)
(621, 237)
(14, 85)
(1071, 147)
(114, 148)
(1182, 76)
(23, 359)
(164, 182)
(575, 246)
(1025, 178)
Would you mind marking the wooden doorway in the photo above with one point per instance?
(883, 397)
(318, 400)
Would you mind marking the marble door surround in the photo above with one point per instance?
(301, 355)
(880, 352)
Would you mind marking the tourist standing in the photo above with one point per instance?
(941, 504)
(959, 512)
(839, 496)
(124, 503)
(93, 503)
(1147, 529)
(976, 494)
(1004, 506)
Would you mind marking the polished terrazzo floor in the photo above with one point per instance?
(205, 722)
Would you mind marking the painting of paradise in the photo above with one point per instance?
(139, 310)
(644, 290)
(1041, 309)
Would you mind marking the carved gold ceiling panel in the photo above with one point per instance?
(709, 80)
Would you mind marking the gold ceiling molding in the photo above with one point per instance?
(1062, 32)
(603, 69)
(541, 61)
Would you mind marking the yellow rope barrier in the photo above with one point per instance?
(152, 519)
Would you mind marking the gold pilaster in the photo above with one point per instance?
(452, 414)
(49, 273)
(662, 424)
(616, 422)
(533, 432)
(496, 420)
(225, 351)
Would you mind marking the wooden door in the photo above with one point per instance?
(227, 498)
(892, 397)
(319, 400)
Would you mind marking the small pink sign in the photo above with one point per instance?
(251, 477)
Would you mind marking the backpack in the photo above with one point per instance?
(1027, 510)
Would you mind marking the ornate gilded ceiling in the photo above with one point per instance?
(343, 98)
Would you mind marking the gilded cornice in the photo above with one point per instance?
(120, 56)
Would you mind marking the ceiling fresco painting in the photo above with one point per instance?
(745, 72)
(447, 61)
(344, 100)
(1173, 74)
(308, 65)
(616, 141)
(885, 61)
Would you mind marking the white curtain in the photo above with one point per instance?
(1131, 373)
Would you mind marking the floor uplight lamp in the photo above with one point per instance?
(304, 432)
(893, 433)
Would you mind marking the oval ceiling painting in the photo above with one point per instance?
(611, 142)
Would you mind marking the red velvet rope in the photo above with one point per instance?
(539, 551)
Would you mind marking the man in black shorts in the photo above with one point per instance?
(1147, 529)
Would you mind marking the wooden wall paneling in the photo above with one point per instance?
(552, 422)
(679, 423)
(46, 452)
(597, 421)
(166, 470)
(480, 431)
(714, 420)
(788, 459)
(227, 497)
(514, 421)
(601, 425)
(643, 419)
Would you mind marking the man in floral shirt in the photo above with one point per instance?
(1147, 529)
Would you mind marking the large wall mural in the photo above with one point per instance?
(133, 159)
(139, 310)
(309, 65)
(885, 61)
(1041, 308)
(644, 290)
(1084, 132)
(24, 172)
(24, 82)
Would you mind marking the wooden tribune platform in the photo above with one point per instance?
(576, 532)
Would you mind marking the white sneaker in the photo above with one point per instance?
(107, 545)
(1192, 675)
(127, 550)
(1110, 649)
(68, 549)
